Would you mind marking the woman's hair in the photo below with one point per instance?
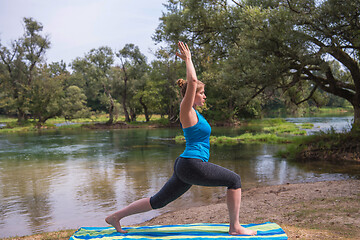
(183, 84)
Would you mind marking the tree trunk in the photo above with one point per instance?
(21, 115)
(145, 109)
(356, 106)
(356, 124)
(111, 107)
(173, 114)
(127, 117)
(132, 114)
(111, 111)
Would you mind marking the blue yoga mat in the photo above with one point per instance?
(197, 231)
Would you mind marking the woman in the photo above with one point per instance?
(192, 166)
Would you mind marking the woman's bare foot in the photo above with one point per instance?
(112, 220)
(240, 230)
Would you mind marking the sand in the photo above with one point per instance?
(320, 210)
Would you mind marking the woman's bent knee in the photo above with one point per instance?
(156, 204)
(236, 183)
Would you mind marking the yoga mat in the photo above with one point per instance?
(197, 231)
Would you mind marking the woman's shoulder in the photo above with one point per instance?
(188, 118)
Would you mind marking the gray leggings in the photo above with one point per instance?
(192, 171)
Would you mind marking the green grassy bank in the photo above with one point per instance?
(261, 131)
(328, 146)
(12, 126)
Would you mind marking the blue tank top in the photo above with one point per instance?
(197, 139)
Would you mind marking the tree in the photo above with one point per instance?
(205, 26)
(46, 96)
(133, 68)
(164, 73)
(146, 96)
(74, 104)
(304, 38)
(20, 63)
(95, 69)
(269, 45)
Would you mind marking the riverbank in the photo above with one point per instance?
(98, 122)
(329, 146)
(320, 210)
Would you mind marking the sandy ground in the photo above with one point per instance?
(321, 210)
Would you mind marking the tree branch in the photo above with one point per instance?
(240, 5)
(309, 97)
(342, 57)
(351, 47)
(291, 8)
(253, 96)
(321, 82)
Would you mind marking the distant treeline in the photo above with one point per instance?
(255, 57)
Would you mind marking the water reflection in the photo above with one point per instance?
(65, 180)
(25, 195)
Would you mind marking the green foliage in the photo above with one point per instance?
(134, 80)
(263, 137)
(307, 125)
(164, 72)
(5, 119)
(25, 126)
(74, 104)
(94, 72)
(19, 69)
(46, 98)
(277, 125)
(223, 140)
(256, 57)
(326, 141)
(267, 46)
(180, 139)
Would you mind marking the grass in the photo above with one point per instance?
(4, 119)
(12, 126)
(307, 125)
(262, 131)
(328, 141)
(223, 140)
(103, 118)
(335, 109)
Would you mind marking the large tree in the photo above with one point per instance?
(47, 96)
(95, 70)
(20, 67)
(303, 39)
(133, 68)
(165, 70)
(270, 45)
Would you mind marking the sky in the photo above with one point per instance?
(77, 26)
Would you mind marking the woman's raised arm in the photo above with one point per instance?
(187, 114)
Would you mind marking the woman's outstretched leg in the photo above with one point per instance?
(233, 199)
(139, 206)
(172, 189)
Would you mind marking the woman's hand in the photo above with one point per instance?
(184, 51)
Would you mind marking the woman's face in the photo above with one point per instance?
(200, 97)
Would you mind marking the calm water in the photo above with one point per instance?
(339, 123)
(63, 180)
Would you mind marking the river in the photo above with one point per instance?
(69, 179)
